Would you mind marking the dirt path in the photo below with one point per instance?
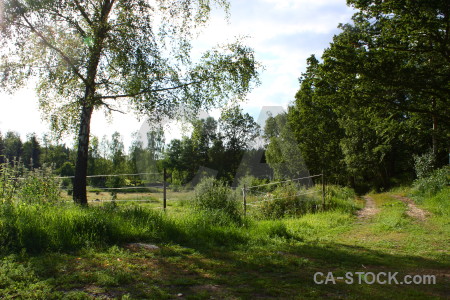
(369, 210)
(413, 211)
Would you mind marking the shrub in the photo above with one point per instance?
(250, 181)
(290, 200)
(35, 186)
(286, 201)
(9, 179)
(175, 185)
(247, 181)
(424, 164)
(433, 183)
(340, 198)
(212, 195)
(39, 186)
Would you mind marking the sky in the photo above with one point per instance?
(283, 34)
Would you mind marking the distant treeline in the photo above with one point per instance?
(360, 146)
(34, 152)
(218, 145)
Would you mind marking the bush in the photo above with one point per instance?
(433, 183)
(9, 179)
(424, 164)
(212, 195)
(39, 186)
(340, 198)
(175, 185)
(35, 186)
(286, 201)
(250, 181)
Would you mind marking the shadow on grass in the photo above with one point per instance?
(271, 271)
(224, 262)
(289, 272)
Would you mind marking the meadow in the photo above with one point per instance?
(132, 250)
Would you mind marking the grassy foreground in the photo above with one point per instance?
(198, 258)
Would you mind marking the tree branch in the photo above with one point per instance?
(72, 22)
(18, 65)
(83, 12)
(112, 109)
(402, 107)
(64, 56)
(148, 91)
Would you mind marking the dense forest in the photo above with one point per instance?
(375, 106)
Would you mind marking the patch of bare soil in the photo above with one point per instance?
(369, 210)
(208, 287)
(413, 211)
(137, 246)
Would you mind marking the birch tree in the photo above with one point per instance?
(88, 55)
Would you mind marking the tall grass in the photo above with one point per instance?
(33, 224)
(37, 227)
(290, 201)
(433, 191)
(217, 200)
(339, 198)
(41, 227)
(45, 228)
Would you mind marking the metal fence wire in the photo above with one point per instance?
(263, 192)
(149, 186)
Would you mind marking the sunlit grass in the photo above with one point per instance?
(84, 253)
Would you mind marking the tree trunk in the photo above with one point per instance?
(79, 183)
(434, 132)
(434, 135)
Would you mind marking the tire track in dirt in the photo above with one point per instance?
(369, 210)
(413, 211)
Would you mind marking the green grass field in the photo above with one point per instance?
(84, 253)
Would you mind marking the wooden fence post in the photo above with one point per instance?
(245, 201)
(165, 188)
(323, 191)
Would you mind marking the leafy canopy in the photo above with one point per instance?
(133, 53)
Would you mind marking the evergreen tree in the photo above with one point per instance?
(32, 152)
(13, 146)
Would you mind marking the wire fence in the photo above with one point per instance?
(263, 193)
(147, 187)
(253, 196)
(109, 175)
(114, 189)
(284, 181)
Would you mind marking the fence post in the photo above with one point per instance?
(164, 187)
(245, 200)
(323, 191)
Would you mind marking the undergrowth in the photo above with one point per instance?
(215, 199)
(433, 191)
(37, 228)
